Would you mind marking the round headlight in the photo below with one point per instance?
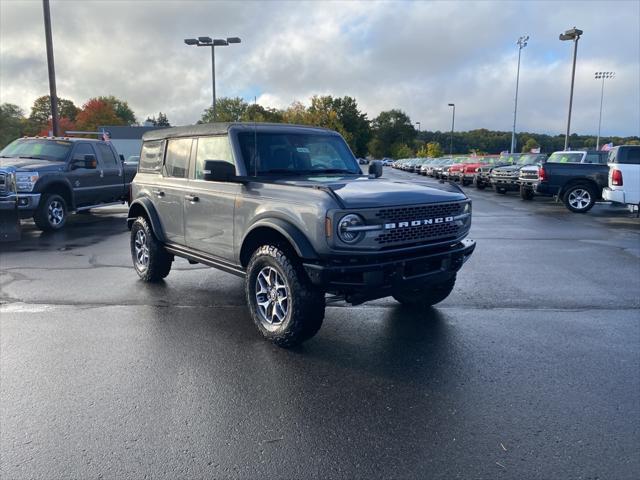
(346, 228)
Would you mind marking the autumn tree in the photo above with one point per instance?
(434, 150)
(96, 113)
(121, 109)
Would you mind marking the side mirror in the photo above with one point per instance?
(121, 158)
(219, 171)
(375, 168)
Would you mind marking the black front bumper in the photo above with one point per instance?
(369, 280)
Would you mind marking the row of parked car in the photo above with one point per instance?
(578, 178)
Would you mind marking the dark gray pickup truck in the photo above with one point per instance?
(48, 177)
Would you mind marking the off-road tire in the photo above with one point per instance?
(306, 304)
(52, 212)
(573, 192)
(425, 296)
(158, 263)
(526, 193)
(479, 185)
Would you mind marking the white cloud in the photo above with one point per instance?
(417, 56)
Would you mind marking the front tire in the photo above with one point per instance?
(425, 296)
(526, 193)
(150, 260)
(52, 213)
(283, 303)
(579, 198)
(501, 190)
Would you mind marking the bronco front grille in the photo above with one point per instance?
(420, 233)
(403, 214)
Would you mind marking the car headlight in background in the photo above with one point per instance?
(349, 228)
(25, 181)
(478, 170)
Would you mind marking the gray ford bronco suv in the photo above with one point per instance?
(288, 209)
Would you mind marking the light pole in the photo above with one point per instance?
(453, 123)
(603, 76)
(522, 42)
(418, 124)
(572, 34)
(53, 95)
(213, 43)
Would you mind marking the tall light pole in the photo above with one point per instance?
(213, 43)
(603, 76)
(53, 95)
(522, 42)
(572, 34)
(418, 124)
(453, 123)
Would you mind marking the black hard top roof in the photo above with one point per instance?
(222, 128)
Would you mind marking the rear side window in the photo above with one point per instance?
(151, 156)
(176, 163)
(107, 155)
(595, 158)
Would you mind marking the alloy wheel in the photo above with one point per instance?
(141, 250)
(55, 213)
(579, 198)
(272, 296)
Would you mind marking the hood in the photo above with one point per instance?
(364, 192)
(31, 164)
(509, 168)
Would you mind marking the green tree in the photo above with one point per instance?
(392, 127)
(12, 123)
(355, 123)
(228, 109)
(258, 113)
(162, 120)
(121, 109)
(401, 150)
(41, 110)
(529, 145)
(434, 150)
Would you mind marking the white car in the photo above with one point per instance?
(624, 176)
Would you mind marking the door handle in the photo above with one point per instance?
(192, 198)
(158, 193)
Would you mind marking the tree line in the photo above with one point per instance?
(390, 134)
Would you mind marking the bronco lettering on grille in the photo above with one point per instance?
(417, 223)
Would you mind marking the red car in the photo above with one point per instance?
(469, 169)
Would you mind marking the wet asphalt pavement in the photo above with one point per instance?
(529, 370)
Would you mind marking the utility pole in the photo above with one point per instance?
(453, 123)
(52, 71)
(603, 76)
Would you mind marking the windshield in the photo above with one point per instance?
(53, 150)
(564, 157)
(296, 154)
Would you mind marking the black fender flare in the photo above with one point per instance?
(150, 212)
(294, 236)
(54, 181)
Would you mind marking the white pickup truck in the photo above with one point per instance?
(624, 176)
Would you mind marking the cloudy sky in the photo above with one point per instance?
(413, 55)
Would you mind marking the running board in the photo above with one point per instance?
(205, 260)
(87, 207)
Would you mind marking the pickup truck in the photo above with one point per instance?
(504, 179)
(57, 175)
(577, 178)
(624, 176)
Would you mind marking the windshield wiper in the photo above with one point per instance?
(335, 170)
(30, 157)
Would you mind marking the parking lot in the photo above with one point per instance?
(528, 370)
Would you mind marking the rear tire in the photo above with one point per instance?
(52, 212)
(283, 303)
(150, 259)
(579, 198)
(426, 296)
(526, 193)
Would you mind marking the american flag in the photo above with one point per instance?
(607, 146)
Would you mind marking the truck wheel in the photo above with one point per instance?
(150, 260)
(425, 296)
(501, 190)
(284, 305)
(465, 183)
(52, 212)
(479, 185)
(526, 193)
(579, 198)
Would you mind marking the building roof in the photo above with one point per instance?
(222, 128)
(120, 132)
